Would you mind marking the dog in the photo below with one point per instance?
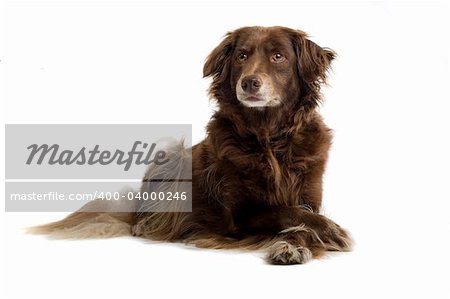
(257, 177)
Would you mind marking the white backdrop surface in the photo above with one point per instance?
(141, 62)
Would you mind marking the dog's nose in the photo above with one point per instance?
(251, 84)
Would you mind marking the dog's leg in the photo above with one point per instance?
(287, 253)
(299, 234)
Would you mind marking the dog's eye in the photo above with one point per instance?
(278, 57)
(242, 57)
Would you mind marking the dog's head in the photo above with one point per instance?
(267, 67)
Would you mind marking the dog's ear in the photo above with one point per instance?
(313, 61)
(217, 63)
(218, 66)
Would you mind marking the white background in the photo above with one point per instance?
(387, 179)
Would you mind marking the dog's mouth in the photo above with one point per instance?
(253, 98)
(257, 100)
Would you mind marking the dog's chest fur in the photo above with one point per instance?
(267, 169)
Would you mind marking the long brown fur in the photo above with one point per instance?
(257, 177)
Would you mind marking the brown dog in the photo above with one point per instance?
(257, 177)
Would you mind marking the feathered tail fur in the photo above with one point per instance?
(106, 219)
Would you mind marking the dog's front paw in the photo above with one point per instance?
(321, 232)
(334, 237)
(284, 253)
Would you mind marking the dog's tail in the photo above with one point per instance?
(86, 223)
(106, 219)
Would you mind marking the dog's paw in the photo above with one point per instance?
(284, 253)
(321, 232)
(330, 235)
(335, 238)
